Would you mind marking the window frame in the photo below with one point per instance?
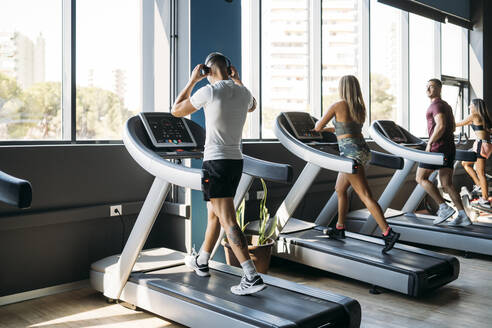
(69, 93)
(364, 47)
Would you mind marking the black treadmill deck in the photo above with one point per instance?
(421, 222)
(365, 252)
(273, 307)
(425, 270)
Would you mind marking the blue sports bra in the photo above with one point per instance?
(477, 127)
(342, 128)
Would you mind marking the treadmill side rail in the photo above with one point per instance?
(295, 196)
(118, 275)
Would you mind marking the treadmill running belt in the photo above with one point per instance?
(367, 252)
(425, 222)
(273, 307)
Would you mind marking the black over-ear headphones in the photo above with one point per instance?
(206, 68)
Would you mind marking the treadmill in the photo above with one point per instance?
(14, 191)
(157, 279)
(419, 228)
(404, 269)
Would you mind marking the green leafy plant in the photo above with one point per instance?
(267, 227)
(240, 215)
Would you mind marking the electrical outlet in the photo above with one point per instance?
(115, 210)
(260, 194)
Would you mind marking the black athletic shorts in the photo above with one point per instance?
(448, 163)
(479, 147)
(220, 178)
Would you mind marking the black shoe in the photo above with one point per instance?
(389, 240)
(336, 233)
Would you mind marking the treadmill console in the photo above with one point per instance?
(170, 135)
(392, 131)
(166, 130)
(302, 125)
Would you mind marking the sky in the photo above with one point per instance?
(107, 38)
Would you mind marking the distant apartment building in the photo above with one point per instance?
(341, 37)
(23, 59)
(286, 48)
(119, 84)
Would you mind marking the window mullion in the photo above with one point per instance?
(365, 60)
(437, 49)
(68, 71)
(250, 61)
(315, 67)
(147, 55)
(403, 112)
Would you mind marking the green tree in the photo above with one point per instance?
(35, 113)
(8, 89)
(100, 114)
(41, 110)
(382, 102)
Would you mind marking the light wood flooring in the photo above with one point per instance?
(466, 302)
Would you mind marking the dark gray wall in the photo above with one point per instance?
(460, 8)
(68, 226)
(487, 51)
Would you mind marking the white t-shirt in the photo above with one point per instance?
(225, 105)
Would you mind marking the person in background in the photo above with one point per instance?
(441, 126)
(481, 123)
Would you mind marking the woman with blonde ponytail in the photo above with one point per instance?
(348, 116)
(481, 122)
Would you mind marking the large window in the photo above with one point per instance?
(422, 67)
(76, 70)
(285, 59)
(341, 45)
(386, 62)
(30, 69)
(306, 46)
(108, 71)
(454, 51)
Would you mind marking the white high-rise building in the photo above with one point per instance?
(22, 59)
(287, 36)
(341, 36)
(119, 80)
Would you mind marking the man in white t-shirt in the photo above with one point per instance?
(225, 102)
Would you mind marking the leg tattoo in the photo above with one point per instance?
(236, 237)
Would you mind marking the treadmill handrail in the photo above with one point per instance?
(402, 151)
(191, 177)
(14, 191)
(386, 160)
(465, 155)
(325, 160)
(157, 166)
(270, 171)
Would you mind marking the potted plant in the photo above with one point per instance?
(259, 244)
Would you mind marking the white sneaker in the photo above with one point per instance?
(191, 262)
(483, 203)
(476, 189)
(460, 220)
(247, 286)
(444, 214)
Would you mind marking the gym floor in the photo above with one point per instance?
(463, 303)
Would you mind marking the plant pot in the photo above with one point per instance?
(259, 254)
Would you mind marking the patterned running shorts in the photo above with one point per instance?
(356, 149)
